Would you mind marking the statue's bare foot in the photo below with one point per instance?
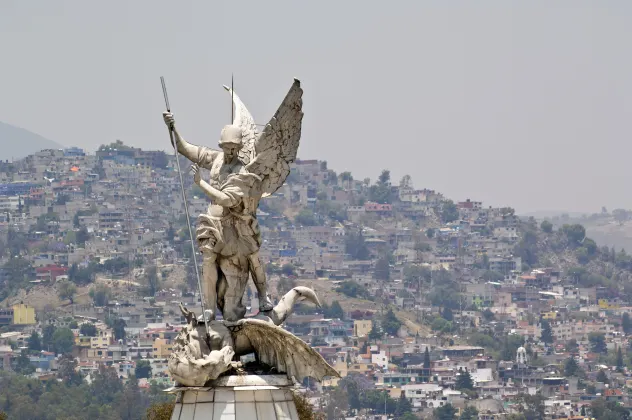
(265, 305)
(208, 316)
(239, 368)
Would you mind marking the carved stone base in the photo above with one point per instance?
(266, 397)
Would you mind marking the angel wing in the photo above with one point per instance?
(244, 120)
(276, 347)
(270, 154)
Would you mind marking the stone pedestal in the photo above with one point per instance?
(247, 397)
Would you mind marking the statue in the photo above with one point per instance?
(195, 360)
(248, 167)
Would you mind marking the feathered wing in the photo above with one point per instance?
(243, 119)
(287, 353)
(276, 147)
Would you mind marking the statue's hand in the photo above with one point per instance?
(169, 119)
(197, 176)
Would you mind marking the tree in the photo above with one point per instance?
(119, 329)
(34, 342)
(288, 270)
(572, 346)
(130, 405)
(469, 413)
(68, 371)
(546, 334)
(63, 340)
(151, 276)
(575, 233)
(602, 377)
(381, 191)
(143, 369)
(47, 336)
(626, 323)
(446, 412)
(355, 247)
(306, 217)
(619, 362)
(390, 323)
(100, 295)
(464, 380)
(546, 226)
(88, 330)
(382, 269)
(23, 364)
(335, 311)
(447, 314)
(571, 368)
(403, 406)
(427, 369)
(449, 212)
(375, 333)
(66, 290)
(598, 342)
(160, 411)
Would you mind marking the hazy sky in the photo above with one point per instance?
(513, 103)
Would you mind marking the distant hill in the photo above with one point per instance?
(17, 142)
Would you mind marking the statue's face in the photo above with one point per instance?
(230, 151)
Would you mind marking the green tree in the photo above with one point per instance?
(427, 369)
(381, 191)
(382, 269)
(34, 342)
(68, 370)
(598, 342)
(335, 311)
(375, 333)
(446, 412)
(162, 411)
(47, 337)
(464, 380)
(602, 377)
(153, 282)
(66, 290)
(288, 270)
(355, 247)
(403, 406)
(546, 334)
(88, 330)
(546, 226)
(469, 413)
(23, 364)
(63, 340)
(119, 329)
(390, 323)
(100, 295)
(626, 323)
(619, 363)
(306, 217)
(571, 368)
(449, 212)
(142, 369)
(575, 233)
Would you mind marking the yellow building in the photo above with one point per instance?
(550, 315)
(606, 304)
(101, 341)
(23, 314)
(162, 348)
(362, 328)
(82, 341)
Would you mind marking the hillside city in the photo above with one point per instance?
(431, 308)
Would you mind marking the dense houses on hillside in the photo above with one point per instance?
(456, 317)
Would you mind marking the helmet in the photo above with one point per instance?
(231, 134)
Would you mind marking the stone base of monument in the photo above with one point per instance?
(237, 397)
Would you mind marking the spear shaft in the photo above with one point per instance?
(186, 206)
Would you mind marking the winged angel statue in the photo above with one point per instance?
(249, 166)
